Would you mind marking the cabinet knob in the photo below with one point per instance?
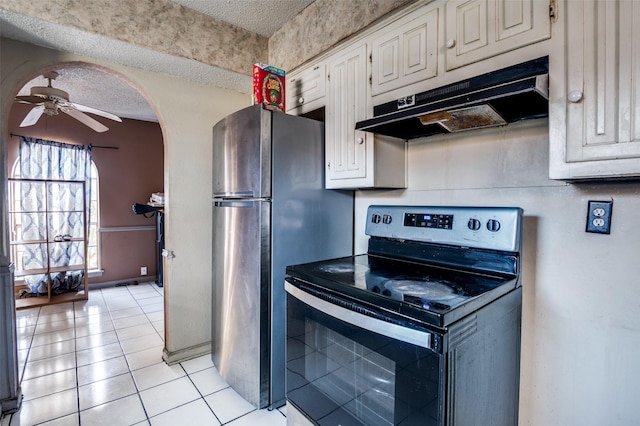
(575, 96)
(301, 100)
(360, 141)
(450, 43)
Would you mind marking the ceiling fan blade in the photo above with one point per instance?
(85, 119)
(30, 99)
(95, 111)
(33, 116)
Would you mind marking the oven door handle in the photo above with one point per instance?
(404, 334)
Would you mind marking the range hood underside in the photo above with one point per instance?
(522, 106)
(512, 94)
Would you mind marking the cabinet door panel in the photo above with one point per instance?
(388, 69)
(416, 49)
(480, 29)
(602, 65)
(513, 18)
(306, 89)
(346, 104)
(407, 53)
(472, 26)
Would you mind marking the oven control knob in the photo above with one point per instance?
(375, 218)
(493, 225)
(474, 224)
(386, 219)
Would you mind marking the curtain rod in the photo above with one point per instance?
(92, 146)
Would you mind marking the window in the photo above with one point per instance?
(93, 248)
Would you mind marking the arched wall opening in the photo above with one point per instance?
(130, 162)
(187, 112)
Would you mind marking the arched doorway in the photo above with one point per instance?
(119, 162)
(187, 110)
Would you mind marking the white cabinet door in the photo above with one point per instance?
(480, 29)
(357, 159)
(346, 148)
(595, 91)
(406, 52)
(306, 89)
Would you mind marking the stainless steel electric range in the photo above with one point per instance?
(424, 329)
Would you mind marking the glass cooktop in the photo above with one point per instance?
(436, 295)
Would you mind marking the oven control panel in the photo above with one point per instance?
(428, 220)
(496, 228)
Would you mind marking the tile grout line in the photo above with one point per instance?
(126, 360)
(76, 321)
(200, 393)
(75, 354)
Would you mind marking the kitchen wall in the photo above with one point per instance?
(126, 175)
(187, 112)
(581, 328)
(322, 25)
(581, 292)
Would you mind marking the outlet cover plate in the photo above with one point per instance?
(599, 217)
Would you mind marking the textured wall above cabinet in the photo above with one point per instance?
(322, 25)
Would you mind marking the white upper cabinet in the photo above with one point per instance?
(346, 104)
(306, 89)
(357, 159)
(594, 115)
(406, 52)
(480, 29)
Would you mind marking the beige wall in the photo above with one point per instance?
(126, 175)
(187, 113)
(581, 328)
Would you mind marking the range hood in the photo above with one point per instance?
(497, 98)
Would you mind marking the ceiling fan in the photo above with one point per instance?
(51, 101)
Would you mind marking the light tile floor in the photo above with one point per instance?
(99, 362)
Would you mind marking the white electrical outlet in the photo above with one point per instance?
(143, 270)
(599, 217)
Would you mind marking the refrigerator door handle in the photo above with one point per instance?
(234, 203)
(241, 194)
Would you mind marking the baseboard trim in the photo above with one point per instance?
(125, 281)
(127, 228)
(186, 354)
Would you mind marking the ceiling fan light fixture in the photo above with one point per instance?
(50, 108)
(50, 101)
(50, 93)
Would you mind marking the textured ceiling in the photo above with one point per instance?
(98, 89)
(263, 17)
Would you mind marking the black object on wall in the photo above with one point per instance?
(149, 211)
(159, 247)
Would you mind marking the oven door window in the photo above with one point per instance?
(342, 374)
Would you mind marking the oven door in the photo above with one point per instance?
(349, 364)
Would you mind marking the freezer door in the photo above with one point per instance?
(242, 154)
(240, 317)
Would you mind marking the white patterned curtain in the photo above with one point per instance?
(54, 161)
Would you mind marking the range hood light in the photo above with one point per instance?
(475, 117)
(434, 118)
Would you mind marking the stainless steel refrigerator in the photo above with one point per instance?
(269, 211)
